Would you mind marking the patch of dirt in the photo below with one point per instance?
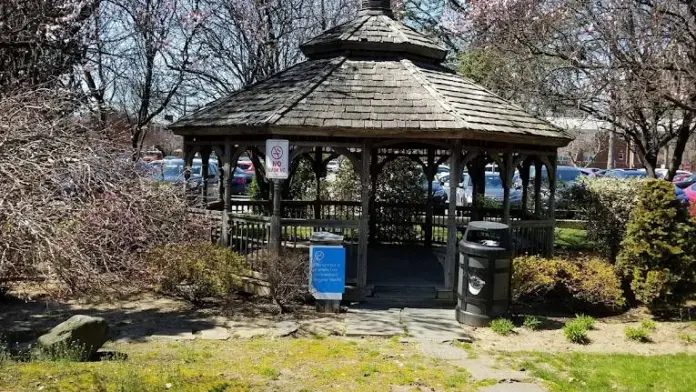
(608, 336)
(25, 316)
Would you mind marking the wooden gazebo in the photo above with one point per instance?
(371, 90)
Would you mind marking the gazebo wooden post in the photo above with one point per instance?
(363, 231)
(374, 175)
(451, 261)
(537, 187)
(205, 164)
(524, 176)
(275, 240)
(552, 204)
(507, 172)
(317, 167)
(227, 195)
(478, 180)
(430, 175)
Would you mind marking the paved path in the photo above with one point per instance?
(435, 331)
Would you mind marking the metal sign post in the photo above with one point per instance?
(277, 170)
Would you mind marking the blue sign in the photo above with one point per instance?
(327, 274)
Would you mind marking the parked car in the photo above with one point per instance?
(442, 171)
(686, 182)
(598, 174)
(494, 190)
(683, 196)
(332, 166)
(589, 171)
(172, 170)
(245, 164)
(625, 173)
(679, 177)
(240, 181)
(565, 176)
(662, 173)
(152, 155)
(690, 192)
(439, 194)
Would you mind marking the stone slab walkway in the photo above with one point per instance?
(435, 331)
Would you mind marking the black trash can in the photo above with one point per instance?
(485, 270)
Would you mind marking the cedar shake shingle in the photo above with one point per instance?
(343, 86)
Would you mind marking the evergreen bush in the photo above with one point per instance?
(606, 204)
(658, 254)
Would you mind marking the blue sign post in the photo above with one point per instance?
(327, 274)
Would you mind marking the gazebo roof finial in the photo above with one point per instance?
(382, 6)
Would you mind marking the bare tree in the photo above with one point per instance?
(588, 143)
(245, 41)
(74, 208)
(630, 63)
(139, 57)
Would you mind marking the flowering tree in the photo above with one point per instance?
(139, 54)
(630, 63)
(40, 41)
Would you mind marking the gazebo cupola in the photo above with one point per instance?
(374, 32)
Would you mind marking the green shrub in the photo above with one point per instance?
(531, 322)
(638, 334)
(197, 270)
(576, 331)
(648, 325)
(588, 282)
(658, 254)
(502, 326)
(586, 321)
(606, 204)
(254, 190)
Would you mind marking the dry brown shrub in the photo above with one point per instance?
(288, 277)
(72, 206)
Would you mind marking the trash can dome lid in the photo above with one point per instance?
(484, 225)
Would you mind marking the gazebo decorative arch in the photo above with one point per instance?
(370, 90)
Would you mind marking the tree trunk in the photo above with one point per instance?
(650, 162)
(685, 131)
(611, 162)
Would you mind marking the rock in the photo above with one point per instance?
(215, 333)
(79, 337)
(285, 328)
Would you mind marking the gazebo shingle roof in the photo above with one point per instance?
(345, 87)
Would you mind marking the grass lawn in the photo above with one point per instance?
(308, 364)
(616, 372)
(572, 239)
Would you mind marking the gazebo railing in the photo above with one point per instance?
(395, 223)
(250, 235)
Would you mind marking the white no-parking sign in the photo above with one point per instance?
(277, 159)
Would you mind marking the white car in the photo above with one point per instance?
(332, 166)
